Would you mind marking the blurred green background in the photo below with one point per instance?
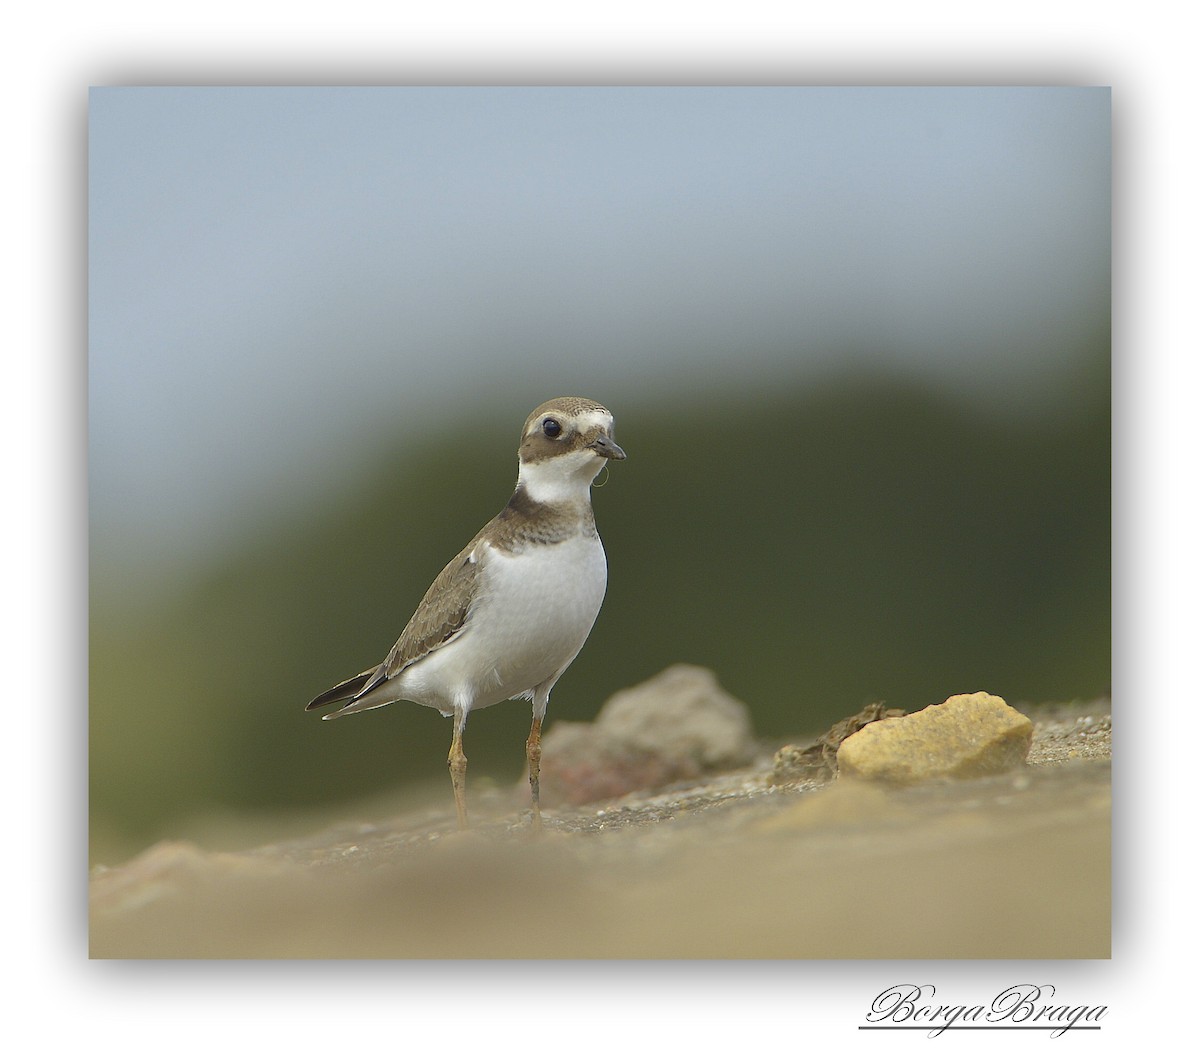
(863, 540)
(878, 491)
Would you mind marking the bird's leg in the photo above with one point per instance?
(533, 751)
(457, 762)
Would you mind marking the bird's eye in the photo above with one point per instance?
(551, 428)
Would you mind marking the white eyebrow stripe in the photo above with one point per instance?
(587, 420)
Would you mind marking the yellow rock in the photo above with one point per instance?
(970, 735)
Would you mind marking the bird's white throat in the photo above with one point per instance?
(561, 479)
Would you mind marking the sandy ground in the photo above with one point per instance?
(1015, 866)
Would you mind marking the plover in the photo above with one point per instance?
(511, 611)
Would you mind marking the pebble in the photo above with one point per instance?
(969, 735)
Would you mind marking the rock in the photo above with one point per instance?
(581, 764)
(682, 712)
(677, 725)
(970, 735)
(819, 761)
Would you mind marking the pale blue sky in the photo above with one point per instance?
(280, 278)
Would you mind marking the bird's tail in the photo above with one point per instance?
(346, 690)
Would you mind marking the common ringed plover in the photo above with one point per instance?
(511, 611)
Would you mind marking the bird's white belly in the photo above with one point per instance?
(533, 612)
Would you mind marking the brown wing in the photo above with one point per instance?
(441, 615)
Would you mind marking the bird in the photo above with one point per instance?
(510, 612)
